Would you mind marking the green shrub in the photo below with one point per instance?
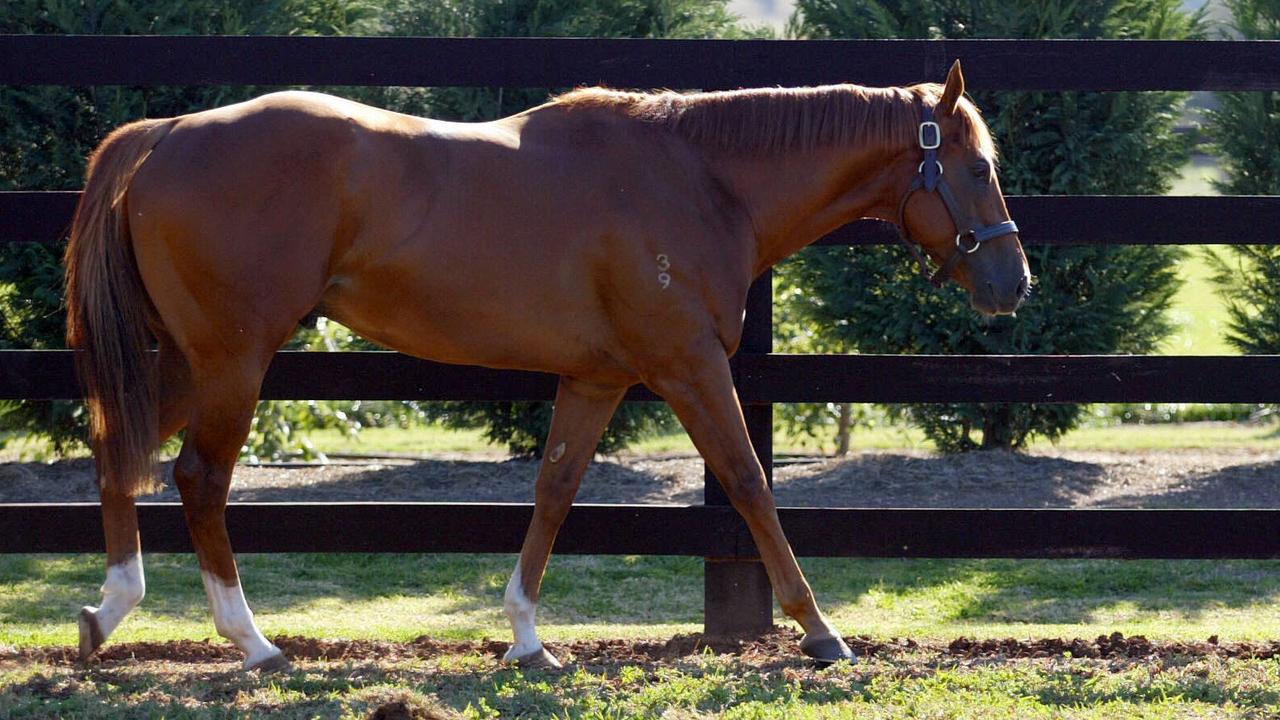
(1246, 130)
(1087, 299)
(49, 131)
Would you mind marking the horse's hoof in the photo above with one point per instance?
(90, 633)
(277, 663)
(826, 651)
(539, 659)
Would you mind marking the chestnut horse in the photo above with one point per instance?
(607, 237)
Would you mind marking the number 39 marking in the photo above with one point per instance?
(664, 278)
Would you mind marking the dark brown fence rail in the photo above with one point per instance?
(760, 378)
(1045, 220)
(707, 64)
(712, 530)
(697, 530)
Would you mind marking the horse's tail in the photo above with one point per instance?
(107, 314)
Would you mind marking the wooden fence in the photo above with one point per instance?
(737, 595)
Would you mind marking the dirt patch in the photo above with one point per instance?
(779, 644)
(410, 707)
(1055, 478)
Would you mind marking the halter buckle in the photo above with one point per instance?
(960, 244)
(932, 139)
(920, 167)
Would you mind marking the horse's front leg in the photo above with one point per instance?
(699, 387)
(582, 411)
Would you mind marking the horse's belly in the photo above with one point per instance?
(479, 327)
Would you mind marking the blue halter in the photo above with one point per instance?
(929, 178)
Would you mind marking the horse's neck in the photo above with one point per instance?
(795, 198)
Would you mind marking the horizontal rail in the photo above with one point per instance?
(45, 216)
(761, 378)
(1008, 378)
(561, 62)
(697, 530)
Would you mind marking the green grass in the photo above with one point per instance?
(900, 685)
(1170, 436)
(1096, 436)
(399, 597)
(1198, 315)
(418, 440)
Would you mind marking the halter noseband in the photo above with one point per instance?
(929, 178)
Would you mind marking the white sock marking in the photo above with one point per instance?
(520, 611)
(121, 593)
(234, 620)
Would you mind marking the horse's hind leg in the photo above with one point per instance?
(223, 406)
(125, 584)
(581, 413)
(700, 390)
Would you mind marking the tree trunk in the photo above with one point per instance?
(997, 427)
(842, 429)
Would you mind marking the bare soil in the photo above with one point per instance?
(1056, 478)
(782, 643)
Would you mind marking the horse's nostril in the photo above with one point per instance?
(1024, 287)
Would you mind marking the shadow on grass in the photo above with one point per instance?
(651, 590)
(618, 590)
(1045, 591)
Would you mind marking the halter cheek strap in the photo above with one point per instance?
(929, 178)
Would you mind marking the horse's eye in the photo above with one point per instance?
(981, 170)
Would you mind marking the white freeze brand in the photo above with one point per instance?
(664, 278)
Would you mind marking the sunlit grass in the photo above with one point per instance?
(1170, 436)
(907, 684)
(399, 597)
(1198, 315)
(1094, 435)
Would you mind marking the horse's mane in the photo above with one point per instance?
(765, 120)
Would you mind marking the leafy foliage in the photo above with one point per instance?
(523, 426)
(1088, 299)
(1246, 130)
(49, 132)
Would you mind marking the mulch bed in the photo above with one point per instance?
(1045, 478)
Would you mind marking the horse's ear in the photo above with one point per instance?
(953, 90)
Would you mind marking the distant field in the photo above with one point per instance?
(435, 440)
(1170, 436)
(1198, 314)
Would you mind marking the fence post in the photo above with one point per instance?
(737, 598)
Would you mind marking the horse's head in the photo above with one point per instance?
(952, 205)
